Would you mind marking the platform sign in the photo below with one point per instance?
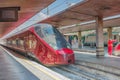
(9, 14)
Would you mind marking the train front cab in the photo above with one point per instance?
(54, 45)
(64, 56)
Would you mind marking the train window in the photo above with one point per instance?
(38, 30)
(32, 41)
(52, 36)
(17, 42)
(14, 42)
(21, 43)
(9, 42)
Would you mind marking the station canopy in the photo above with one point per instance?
(28, 8)
(85, 11)
(91, 25)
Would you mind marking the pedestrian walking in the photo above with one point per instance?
(110, 46)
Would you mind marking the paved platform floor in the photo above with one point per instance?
(12, 70)
(16, 67)
(111, 61)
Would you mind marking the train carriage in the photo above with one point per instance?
(45, 43)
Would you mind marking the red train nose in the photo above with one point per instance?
(65, 50)
(65, 56)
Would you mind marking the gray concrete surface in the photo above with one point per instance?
(10, 69)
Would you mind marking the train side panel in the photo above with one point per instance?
(31, 45)
(50, 48)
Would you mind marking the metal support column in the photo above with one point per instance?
(109, 33)
(79, 39)
(67, 38)
(99, 36)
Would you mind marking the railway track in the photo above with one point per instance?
(75, 70)
(105, 72)
(81, 73)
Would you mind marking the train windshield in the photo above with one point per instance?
(52, 36)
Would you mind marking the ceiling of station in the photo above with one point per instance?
(91, 26)
(85, 11)
(28, 8)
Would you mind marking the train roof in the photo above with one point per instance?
(26, 29)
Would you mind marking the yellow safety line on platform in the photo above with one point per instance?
(49, 74)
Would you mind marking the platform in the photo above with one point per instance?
(20, 70)
(14, 67)
(109, 64)
(10, 69)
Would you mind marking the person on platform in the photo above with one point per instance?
(110, 46)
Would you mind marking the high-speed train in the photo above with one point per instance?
(43, 42)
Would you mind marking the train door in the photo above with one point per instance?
(30, 44)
